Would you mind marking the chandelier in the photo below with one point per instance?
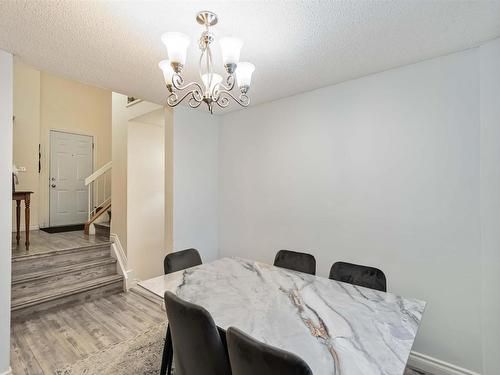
(211, 90)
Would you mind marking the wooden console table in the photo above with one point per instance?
(25, 196)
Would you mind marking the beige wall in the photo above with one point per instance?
(122, 114)
(27, 135)
(76, 108)
(146, 194)
(44, 102)
(119, 171)
(142, 183)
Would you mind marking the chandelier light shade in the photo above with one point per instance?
(168, 71)
(213, 89)
(231, 48)
(215, 78)
(244, 75)
(177, 45)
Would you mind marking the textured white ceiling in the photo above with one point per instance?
(296, 45)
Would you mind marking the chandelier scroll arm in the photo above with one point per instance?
(230, 81)
(194, 103)
(177, 82)
(223, 101)
(173, 99)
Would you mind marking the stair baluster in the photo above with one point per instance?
(97, 206)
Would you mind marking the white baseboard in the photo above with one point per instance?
(22, 229)
(118, 253)
(436, 366)
(8, 372)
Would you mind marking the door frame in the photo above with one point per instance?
(44, 176)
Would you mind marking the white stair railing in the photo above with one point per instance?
(99, 188)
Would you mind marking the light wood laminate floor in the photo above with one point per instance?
(54, 340)
(42, 242)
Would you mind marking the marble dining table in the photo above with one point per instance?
(337, 328)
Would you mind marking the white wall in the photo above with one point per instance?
(195, 181)
(490, 203)
(382, 170)
(146, 196)
(6, 105)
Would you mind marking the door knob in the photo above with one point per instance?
(53, 178)
(53, 185)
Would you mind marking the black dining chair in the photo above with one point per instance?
(198, 346)
(173, 262)
(356, 274)
(296, 261)
(180, 260)
(249, 357)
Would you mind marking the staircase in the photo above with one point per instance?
(60, 277)
(99, 188)
(45, 280)
(102, 229)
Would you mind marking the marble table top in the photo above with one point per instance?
(337, 328)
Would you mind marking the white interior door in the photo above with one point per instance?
(70, 163)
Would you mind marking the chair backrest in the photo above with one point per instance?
(198, 347)
(368, 277)
(180, 260)
(296, 261)
(249, 357)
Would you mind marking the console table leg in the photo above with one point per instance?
(27, 221)
(18, 220)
